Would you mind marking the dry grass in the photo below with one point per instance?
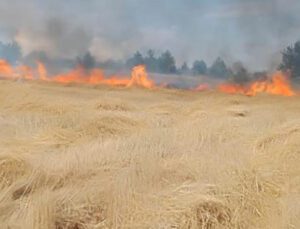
(83, 157)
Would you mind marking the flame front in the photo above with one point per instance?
(139, 77)
(5, 69)
(278, 85)
(79, 74)
(42, 71)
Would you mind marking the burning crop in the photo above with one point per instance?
(139, 77)
(277, 85)
(5, 69)
(79, 74)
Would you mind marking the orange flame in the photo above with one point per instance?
(139, 77)
(278, 85)
(42, 71)
(26, 72)
(5, 69)
(79, 74)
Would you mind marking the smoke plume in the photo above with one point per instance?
(253, 32)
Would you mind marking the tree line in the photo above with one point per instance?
(164, 63)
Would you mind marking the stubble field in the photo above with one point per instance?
(107, 157)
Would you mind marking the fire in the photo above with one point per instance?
(26, 72)
(278, 85)
(79, 74)
(139, 77)
(42, 71)
(93, 76)
(5, 69)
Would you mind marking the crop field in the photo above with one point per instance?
(84, 156)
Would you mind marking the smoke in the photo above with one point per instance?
(36, 28)
(266, 28)
(253, 32)
(66, 39)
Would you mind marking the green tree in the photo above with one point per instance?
(219, 69)
(137, 59)
(151, 61)
(167, 63)
(291, 60)
(184, 69)
(239, 74)
(199, 67)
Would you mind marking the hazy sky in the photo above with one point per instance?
(254, 31)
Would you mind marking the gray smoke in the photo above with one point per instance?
(253, 31)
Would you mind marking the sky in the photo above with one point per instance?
(251, 31)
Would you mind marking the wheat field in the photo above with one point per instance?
(106, 157)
